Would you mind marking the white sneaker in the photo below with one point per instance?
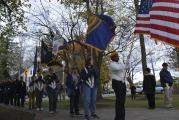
(38, 109)
(41, 109)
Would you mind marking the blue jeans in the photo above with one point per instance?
(89, 100)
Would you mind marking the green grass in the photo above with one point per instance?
(106, 102)
(140, 101)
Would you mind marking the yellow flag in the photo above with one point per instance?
(25, 72)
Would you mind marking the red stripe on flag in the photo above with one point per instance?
(165, 39)
(165, 29)
(165, 18)
(143, 25)
(163, 8)
(169, 1)
(141, 32)
(143, 18)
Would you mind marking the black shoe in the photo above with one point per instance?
(71, 114)
(95, 116)
(78, 114)
(87, 117)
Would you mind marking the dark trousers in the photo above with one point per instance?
(11, 99)
(32, 100)
(74, 102)
(39, 95)
(22, 100)
(133, 96)
(17, 100)
(52, 95)
(6, 98)
(120, 92)
(151, 100)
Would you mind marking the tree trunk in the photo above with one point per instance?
(177, 53)
(97, 6)
(143, 53)
(102, 7)
(88, 6)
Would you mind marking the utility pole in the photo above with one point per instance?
(142, 43)
(152, 63)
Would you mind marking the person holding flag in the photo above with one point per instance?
(118, 75)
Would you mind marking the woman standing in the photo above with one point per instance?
(72, 83)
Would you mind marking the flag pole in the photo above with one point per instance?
(91, 54)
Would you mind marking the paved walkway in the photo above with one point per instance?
(108, 114)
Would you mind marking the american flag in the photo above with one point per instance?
(143, 17)
(160, 19)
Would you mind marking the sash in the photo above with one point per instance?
(90, 80)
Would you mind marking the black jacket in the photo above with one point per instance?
(149, 84)
(49, 79)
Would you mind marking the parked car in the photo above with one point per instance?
(108, 91)
(139, 89)
(159, 89)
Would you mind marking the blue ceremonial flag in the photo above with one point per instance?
(101, 29)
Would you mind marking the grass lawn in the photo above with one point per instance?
(140, 102)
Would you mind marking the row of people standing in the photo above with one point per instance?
(13, 92)
(117, 73)
(38, 86)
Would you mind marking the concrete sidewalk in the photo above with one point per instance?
(108, 114)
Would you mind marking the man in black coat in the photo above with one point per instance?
(51, 81)
(23, 92)
(1, 92)
(149, 84)
(17, 90)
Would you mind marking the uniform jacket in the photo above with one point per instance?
(165, 77)
(149, 84)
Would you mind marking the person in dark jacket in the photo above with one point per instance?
(1, 91)
(12, 92)
(7, 92)
(23, 92)
(51, 83)
(31, 93)
(39, 91)
(149, 84)
(133, 91)
(167, 83)
(73, 85)
(17, 90)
